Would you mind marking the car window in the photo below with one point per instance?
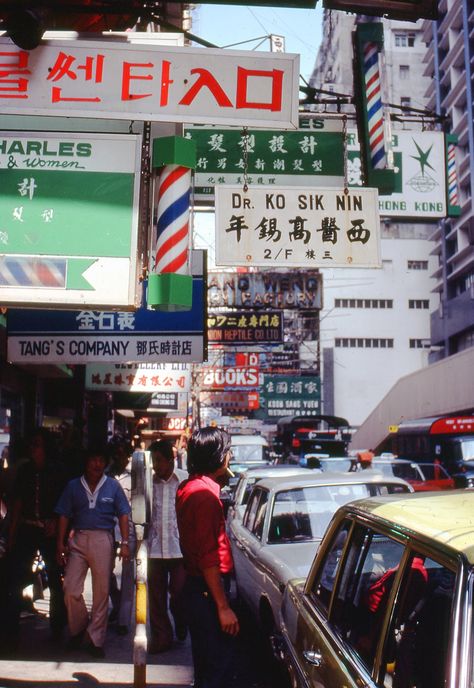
(416, 649)
(323, 583)
(251, 510)
(260, 515)
(248, 489)
(389, 488)
(301, 514)
(364, 585)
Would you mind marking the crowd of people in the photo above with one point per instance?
(78, 522)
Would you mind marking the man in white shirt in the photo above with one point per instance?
(166, 573)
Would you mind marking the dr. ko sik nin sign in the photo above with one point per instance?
(288, 226)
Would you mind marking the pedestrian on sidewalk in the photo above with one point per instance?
(166, 572)
(89, 506)
(120, 453)
(208, 558)
(32, 528)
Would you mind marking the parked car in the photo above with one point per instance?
(388, 600)
(423, 477)
(248, 478)
(283, 523)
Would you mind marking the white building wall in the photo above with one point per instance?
(363, 374)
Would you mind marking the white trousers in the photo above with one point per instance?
(89, 549)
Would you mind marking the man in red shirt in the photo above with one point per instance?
(207, 558)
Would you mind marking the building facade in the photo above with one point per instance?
(375, 326)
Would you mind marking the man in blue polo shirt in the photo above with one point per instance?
(89, 506)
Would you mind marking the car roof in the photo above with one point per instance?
(248, 439)
(446, 517)
(277, 471)
(331, 478)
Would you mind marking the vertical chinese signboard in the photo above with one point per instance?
(69, 219)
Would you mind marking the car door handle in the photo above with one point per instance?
(313, 657)
(239, 545)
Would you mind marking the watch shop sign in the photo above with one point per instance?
(114, 79)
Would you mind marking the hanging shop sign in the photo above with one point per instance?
(68, 218)
(300, 158)
(117, 80)
(142, 336)
(288, 227)
(230, 377)
(239, 327)
(268, 361)
(419, 173)
(138, 377)
(168, 401)
(296, 290)
(284, 395)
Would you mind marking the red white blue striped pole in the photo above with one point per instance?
(374, 106)
(169, 281)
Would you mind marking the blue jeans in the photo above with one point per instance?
(213, 650)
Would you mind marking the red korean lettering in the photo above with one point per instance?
(243, 75)
(14, 64)
(128, 76)
(64, 68)
(206, 80)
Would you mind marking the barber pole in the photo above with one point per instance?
(454, 209)
(170, 283)
(374, 106)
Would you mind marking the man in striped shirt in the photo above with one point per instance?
(166, 573)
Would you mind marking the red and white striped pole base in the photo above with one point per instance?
(169, 283)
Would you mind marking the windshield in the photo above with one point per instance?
(303, 514)
(400, 470)
(248, 452)
(467, 449)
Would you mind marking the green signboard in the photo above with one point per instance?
(69, 219)
(281, 158)
(290, 395)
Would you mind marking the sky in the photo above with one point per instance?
(224, 25)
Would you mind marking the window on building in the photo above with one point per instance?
(419, 304)
(404, 72)
(417, 265)
(359, 343)
(420, 343)
(404, 39)
(405, 102)
(363, 303)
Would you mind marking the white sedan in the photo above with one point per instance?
(282, 526)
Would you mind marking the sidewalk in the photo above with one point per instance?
(45, 663)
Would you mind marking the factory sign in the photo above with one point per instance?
(240, 327)
(287, 227)
(114, 79)
(296, 290)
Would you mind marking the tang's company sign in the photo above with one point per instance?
(142, 336)
(289, 226)
(138, 377)
(240, 327)
(69, 218)
(420, 174)
(285, 395)
(296, 290)
(217, 378)
(117, 80)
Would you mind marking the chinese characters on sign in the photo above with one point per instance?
(287, 227)
(245, 328)
(167, 377)
(284, 395)
(69, 218)
(300, 157)
(114, 79)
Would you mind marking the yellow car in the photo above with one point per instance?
(388, 602)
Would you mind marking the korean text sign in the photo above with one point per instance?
(69, 218)
(288, 226)
(114, 79)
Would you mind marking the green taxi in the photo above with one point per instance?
(388, 602)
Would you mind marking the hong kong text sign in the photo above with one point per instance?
(309, 227)
(114, 79)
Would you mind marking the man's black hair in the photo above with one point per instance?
(207, 449)
(165, 447)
